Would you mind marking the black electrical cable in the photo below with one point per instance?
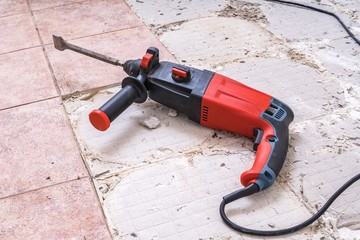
(252, 188)
(322, 11)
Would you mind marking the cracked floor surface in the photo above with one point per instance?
(167, 182)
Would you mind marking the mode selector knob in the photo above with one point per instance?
(181, 73)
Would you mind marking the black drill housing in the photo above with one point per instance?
(157, 78)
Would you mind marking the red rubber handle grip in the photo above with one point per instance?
(232, 106)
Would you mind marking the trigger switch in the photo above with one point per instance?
(258, 134)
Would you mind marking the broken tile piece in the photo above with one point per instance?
(172, 113)
(150, 122)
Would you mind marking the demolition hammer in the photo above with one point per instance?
(214, 101)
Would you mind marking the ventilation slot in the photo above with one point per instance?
(205, 112)
(279, 113)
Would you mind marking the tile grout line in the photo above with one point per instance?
(21, 49)
(27, 103)
(44, 187)
(70, 39)
(68, 119)
(14, 14)
(43, 48)
(46, 8)
(61, 5)
(66, 96)
(103, 33)
(90, 90)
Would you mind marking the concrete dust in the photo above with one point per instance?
(158, 30)
(78, 102)
(172, 113)
(243, 10)
(346, 233)
(89, 95)
(350, 222)
(160, 13)
(299, 57)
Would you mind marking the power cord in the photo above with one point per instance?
(252, 188)
(321, 11)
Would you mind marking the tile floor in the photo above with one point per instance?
(46, 191)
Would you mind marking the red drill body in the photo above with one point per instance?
(214, 101)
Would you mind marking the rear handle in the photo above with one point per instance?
(271, 145)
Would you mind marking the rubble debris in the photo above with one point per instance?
(150, 122)
(172, 113)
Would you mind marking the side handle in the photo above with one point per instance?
(133, 90)
(271, 143)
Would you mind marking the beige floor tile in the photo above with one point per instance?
(66, 211)
(86, 18)
(25, 78)
(17, 32)
(37, 148)
(42, 4)
(9, 7)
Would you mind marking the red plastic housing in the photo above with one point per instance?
(232, 106)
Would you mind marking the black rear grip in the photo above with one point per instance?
(280, 121)
(279, 116)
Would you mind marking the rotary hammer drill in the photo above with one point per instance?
(208, 98)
